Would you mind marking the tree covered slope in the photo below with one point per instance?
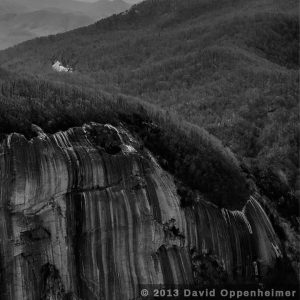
(227, 65)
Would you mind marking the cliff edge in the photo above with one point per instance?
(89, 214)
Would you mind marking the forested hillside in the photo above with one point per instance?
(180, 146)
(227, 65)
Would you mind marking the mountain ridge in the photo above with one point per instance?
(228, 66)
(21, 20)
(199, 58)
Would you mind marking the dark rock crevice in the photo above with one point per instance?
(51, 283)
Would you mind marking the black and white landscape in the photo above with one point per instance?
(158, 145)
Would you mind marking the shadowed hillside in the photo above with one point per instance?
(180, 146)
(228, 65)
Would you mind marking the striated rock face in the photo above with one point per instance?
(86, 214)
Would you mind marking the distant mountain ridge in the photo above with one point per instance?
(20, 27)
(27, 19)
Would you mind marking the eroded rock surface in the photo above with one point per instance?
(86, 214)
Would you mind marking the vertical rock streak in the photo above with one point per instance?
(82, 213)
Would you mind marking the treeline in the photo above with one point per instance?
(197, 159)
(54, 108)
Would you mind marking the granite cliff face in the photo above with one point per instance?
(89, 214)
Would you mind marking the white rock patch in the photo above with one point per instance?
(57, 66)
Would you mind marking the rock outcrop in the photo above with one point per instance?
(86, 214)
